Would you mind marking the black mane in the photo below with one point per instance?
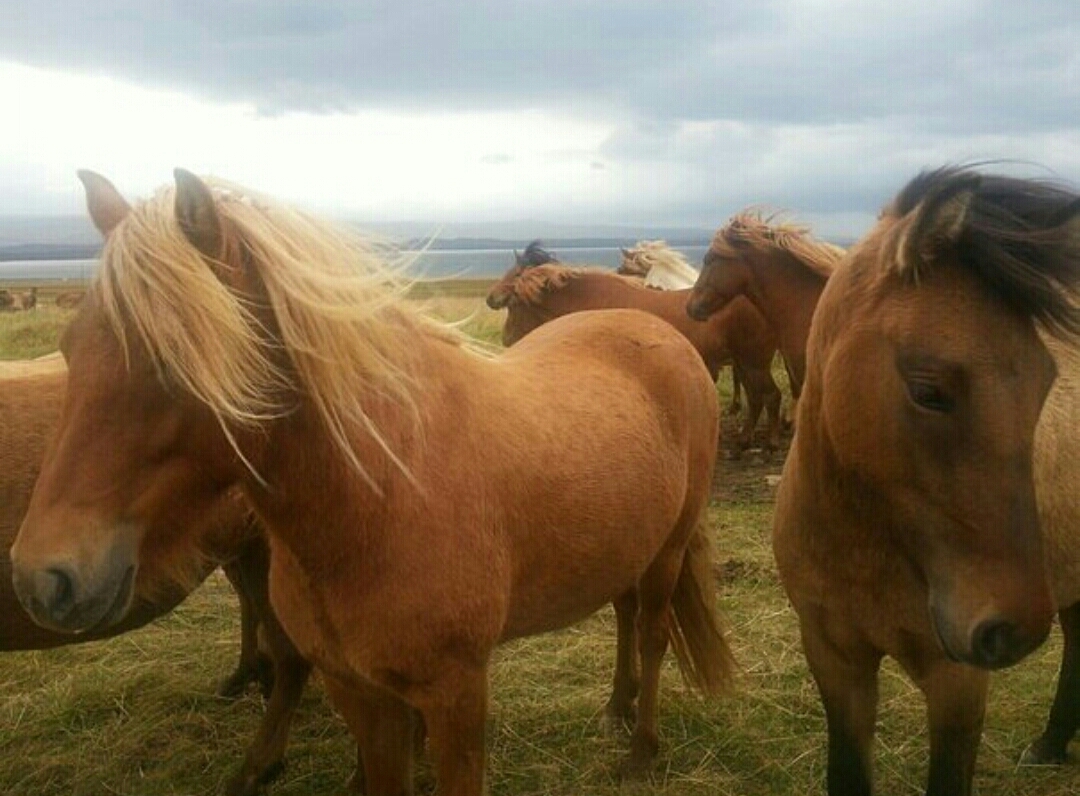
(535, 254)
(1020, 237)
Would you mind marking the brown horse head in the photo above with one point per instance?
(927, 374)
(732, 265)
(534, 255)
(113, 495)
(529, 301)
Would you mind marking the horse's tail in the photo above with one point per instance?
(697, 634)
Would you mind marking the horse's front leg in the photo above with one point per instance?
(1052, 746)
(455, 711)
(846, 673)
(384, 727)
(956, 704)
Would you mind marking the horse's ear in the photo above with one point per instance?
(106, 206)
(196, 214)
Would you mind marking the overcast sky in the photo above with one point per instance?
(640, 113)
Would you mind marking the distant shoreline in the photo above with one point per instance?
(29, 252)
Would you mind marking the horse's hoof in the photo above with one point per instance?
(235, 684)
(1043, 753)
(261, 673)
(620, 722)
(250, 783)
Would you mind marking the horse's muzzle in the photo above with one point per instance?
(57, 598)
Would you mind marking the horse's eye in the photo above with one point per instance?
(929, 396)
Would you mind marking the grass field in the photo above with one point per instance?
(137, 715)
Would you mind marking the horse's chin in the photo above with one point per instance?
(988, 643)
(121, 602)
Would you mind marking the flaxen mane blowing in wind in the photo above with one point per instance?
(230, 340)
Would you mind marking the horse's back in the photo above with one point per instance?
(636, 343)
(600, 439)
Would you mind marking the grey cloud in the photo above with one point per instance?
(814, 106)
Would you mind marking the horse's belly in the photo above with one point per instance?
(571, 575)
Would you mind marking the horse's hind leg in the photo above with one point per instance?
(253, 666)
(1051, 747)
(654, 633)
(761, 393)
(737, 382)
(620, 707)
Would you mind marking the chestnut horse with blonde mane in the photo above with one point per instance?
(778, 267)
(738, 335)
(424, 501)
(928, 509)
(176, 560)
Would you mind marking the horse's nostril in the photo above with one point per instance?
(54, 591)
(997, 642)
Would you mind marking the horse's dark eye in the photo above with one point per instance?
(929, 396)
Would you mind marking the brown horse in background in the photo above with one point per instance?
(31, 394)
(424, 501)
(738, 335)
(779, 268)
(907, 523)
(534, 254)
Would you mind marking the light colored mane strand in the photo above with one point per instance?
(661, 265)
(763, 232)
(337, 304)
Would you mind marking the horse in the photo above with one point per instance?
(658, 265)
(662, 267)
(424, 499)
(534, 254)
(31, 393)
(778, 267)
(27, 299)
(69, 299)
(739, 335)
(927, 510)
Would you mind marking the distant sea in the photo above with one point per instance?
(430, 264)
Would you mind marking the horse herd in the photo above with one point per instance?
(255, 392)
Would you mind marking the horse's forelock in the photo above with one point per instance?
(533, 283)
(1019, 237)
(763, 230)
(338, 306)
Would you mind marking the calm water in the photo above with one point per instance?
(458, 263)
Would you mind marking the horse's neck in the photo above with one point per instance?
(785, 291)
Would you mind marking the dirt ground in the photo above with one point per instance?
(751, 477)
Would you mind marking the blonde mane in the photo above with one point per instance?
(660, 265)
(337, 304)
(755, 229)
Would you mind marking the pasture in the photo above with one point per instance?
(138, 715)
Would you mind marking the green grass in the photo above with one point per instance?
(137, 714)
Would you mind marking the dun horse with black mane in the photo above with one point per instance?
(423, 501)
(926, 512)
